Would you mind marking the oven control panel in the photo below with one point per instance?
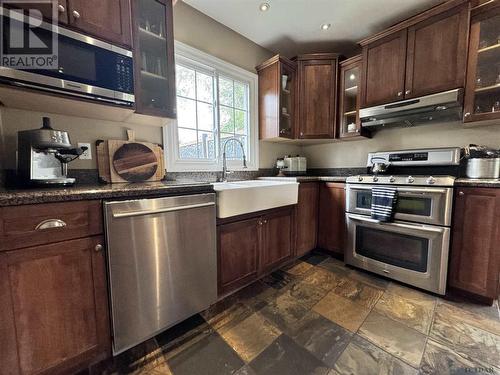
(409, 156)
(423, 157)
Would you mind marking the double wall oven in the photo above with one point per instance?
(413, 248)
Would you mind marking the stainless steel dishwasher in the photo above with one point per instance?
(162, 263)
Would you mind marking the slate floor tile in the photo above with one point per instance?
(399, 340)
(364, 358)
(414, 313)
(307, 294)
(299, 268)
(245, 370)
(229, 317)
(284, 311)
(323, 338)
(251, 336)
(359, 293)
(323, 279)
(470, 342)
(285, 357)
(335, 266)
(441, 360)
(279, 280)
(256, 295)
(371, 279)
(315, 257)
(342, 311)
(211, 355)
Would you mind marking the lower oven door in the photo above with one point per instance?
(415, 254)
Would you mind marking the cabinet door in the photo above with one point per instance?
(331, 226)
(47, 10)
(54, 311)
(437, 53)
(106, 19)
(317, 98)
(306, 218)
(384, 70)
(276, 239)
(474, 252)
(238, 249)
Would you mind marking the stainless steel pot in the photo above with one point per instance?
(379, 166)
(483, 168)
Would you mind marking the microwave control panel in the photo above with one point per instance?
(125, 74)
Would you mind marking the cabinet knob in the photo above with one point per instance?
(461, 193)
(265, 222)
(76, 14)
(400, 93)
(408, 92)
(61, 8)
(98, 248)
(301, 134)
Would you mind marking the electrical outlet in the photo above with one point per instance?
(87, 154)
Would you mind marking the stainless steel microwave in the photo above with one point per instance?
(86, 67)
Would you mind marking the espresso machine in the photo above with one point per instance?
(43, 156)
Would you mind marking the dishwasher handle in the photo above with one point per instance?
(120, 215)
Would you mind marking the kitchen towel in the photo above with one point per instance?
(383, 203)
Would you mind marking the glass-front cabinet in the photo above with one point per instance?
(154, 58)
(350, 84)
(482, 96)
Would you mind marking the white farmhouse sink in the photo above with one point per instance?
(242, 197)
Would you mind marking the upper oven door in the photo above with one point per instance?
(428, 205)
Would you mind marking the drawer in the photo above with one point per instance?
(39, 224)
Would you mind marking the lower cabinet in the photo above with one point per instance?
(250, 247)
(331, 226)
(53, 307)
(306, 218)
(474, 255)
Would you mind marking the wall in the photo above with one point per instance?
(354, 153)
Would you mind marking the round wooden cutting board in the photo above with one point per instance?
(135, 162)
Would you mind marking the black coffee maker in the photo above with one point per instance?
(43, 156)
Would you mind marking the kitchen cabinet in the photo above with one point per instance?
(317, 95)
(251, 246)
(48, 10)
(154, 66)
(474, 254)
(423, 55)
(105, 19)
(349, 99)
(53, 307)
(277, 89)
(306, 218)
(332, 230)
(482, 92)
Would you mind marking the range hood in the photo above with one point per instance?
(441, 107)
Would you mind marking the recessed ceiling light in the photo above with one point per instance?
(264, 7)
(326, 26)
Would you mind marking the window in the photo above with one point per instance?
(216, 101)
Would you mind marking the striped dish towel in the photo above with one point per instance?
(383, 202)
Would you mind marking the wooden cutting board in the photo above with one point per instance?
(129, 161)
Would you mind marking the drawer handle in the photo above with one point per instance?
(50, 223)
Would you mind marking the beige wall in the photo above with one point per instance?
(354, 153)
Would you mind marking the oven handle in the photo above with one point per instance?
(401, 189)
(424, 228)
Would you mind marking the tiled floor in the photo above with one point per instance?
(320, 317)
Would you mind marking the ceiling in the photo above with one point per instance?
(290, 27)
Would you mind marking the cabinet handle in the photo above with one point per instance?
(408, 92)
(461, 193)
(61, 8)
(467, 114)
(76, 14)
(400, 93)
(265, 222)
(50, 223)
(98, 248)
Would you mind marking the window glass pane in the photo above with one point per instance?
(240, 95)
(205, 116)
(185, 81)
(226, 120)
(204, 87)
(188, 145)
(226, 91)
(240, 121)
(186, 113)
(206, 145)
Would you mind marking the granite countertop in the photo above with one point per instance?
(308, 178)
(478, 182)
(15, 197)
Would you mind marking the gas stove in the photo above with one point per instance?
(402, 180)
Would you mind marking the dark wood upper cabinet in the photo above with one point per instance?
(47, 10)
(482, 91)
(106, 19)
(277, 88)
(53, 308)
(317, 95)
(332, 230)
(306, 218)
(154, 62)
(475, 252)
(436, 53)
(384, 63)
(277, 239)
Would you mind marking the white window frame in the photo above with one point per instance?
(202, 61)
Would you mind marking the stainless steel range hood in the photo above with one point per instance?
(441, 107)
